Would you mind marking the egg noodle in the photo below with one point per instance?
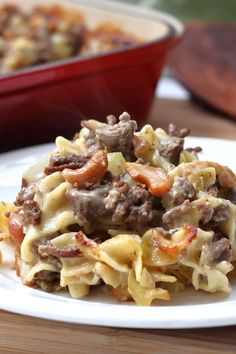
(129, 210)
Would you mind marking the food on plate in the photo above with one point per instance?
(48, 33)
(133, 210)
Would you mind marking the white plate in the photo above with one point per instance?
(187, 309)
(171, 88)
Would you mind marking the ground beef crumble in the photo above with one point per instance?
(114, 137)
(171, 150)
(180, 133)
(131, 205)
(221, 250)
(181, 191)
(123, 204)
(177, 212)
(89, 205)
(25, 200)
(210, 216)
(32, 213)
(221, 213)
(27, 192)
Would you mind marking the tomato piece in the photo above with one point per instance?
(155, 178)
(175, 248)
(141, 146)
(92, 172)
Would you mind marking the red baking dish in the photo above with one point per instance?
(39, 103)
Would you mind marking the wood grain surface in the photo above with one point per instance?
(26, 335)
(201, 121)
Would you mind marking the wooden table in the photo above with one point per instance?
(26, 335)
(202, 122)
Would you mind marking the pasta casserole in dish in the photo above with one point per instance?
(49, 33)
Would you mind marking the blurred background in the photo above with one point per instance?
(196, 78)
(204, 62)
(208, 10)
(203, 66)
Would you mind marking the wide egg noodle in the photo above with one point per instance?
(38, 267)
(66, 147)
(228, 227)
(56, 215)
(153, 157)
(144, 296)
(210, 277)
(109, 275)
